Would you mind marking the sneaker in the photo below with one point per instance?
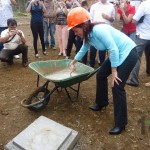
(147, 84)
(54, 48)
(16, 56)
(67, 57)
(45, 53)
(60, 54)
(37, 55)
(64, 54)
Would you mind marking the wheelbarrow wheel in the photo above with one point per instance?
(39, 95)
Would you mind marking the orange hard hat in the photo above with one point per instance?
(77, 16)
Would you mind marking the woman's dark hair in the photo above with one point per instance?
(11, 22)
(87, 28)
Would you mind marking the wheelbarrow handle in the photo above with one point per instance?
(92, 73)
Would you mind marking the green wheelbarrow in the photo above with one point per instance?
(57, 72)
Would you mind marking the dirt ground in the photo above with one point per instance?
(17, 83)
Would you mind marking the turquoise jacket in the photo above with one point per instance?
(105, 37)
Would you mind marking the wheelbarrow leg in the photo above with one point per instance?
(73, 90)
(68, 94)
(78, 90)
(38, 78)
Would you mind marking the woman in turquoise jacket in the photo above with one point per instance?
(122, 58)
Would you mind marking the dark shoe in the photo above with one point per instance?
(97, 107)
(25, 64)
(116, 130)
(131, 84)
(10, 62)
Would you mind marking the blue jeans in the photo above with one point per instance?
(118, 91)
(2, 29)
(49, 28)
(131, 35)
(134, 77)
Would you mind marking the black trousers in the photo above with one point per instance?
(79, 43)
(73, 39)
(118, 91)
(7, 55)
(102, 55)
(147, 56)
(37, 29)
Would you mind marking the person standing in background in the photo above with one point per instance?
(61, 27)
(104, 12)
(37, 8)
(142, 20)
(49, 23)
(6, 12)
(125, 13)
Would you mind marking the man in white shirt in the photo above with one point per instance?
(101, 11)
(142, 19)
(6, 12)
(15, 43)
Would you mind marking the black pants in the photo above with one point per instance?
(79, 43)
(7, 55)
(147, 56)
(73, 39)
(118, 91)
(37, 29)
(102, 55)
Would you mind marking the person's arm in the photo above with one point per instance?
(22, 37)
(128, 18)
(65, 8)
(117, 14)
(29, 5)
(5, 36)
(72, 65)
(43, 6)
(109, 18)
(79, 55)
(5, 39)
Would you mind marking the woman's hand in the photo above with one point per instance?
(41, 3)
(72, 66)
(115, 78)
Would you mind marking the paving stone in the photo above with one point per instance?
(44, 134)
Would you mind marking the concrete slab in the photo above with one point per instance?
(44, 134)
